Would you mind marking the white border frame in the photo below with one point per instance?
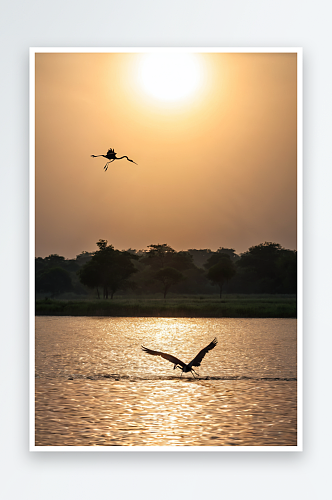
(299, 52)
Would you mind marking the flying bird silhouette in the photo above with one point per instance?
(180, 364)
(111, 157)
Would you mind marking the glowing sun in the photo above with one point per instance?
(170, 76)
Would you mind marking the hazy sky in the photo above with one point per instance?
(214, 136)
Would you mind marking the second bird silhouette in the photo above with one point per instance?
(180, 364)
(111, 156)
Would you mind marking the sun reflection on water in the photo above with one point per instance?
(95, 387)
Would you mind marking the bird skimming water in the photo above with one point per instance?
(180, 364)
(111, 157)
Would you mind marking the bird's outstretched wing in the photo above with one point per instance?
(164, 355)
(197, 360)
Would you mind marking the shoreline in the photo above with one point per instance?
(246, 307)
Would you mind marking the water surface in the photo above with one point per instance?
(95, 386)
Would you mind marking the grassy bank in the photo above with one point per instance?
(231, 306)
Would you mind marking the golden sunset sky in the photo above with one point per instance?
(214, 136)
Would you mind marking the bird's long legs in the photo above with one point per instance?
(192, 371)
(106, 166)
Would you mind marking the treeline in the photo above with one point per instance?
(264, 268)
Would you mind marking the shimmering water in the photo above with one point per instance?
(95, 386)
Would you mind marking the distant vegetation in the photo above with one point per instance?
(192, 306)
(159, 270)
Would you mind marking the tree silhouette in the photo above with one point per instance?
(216, 256)
(168, 276)
(266, 264)
(223, 271)
(89, 275)
(159, 254)
(108, 268)
(55, 281)
(287, 268)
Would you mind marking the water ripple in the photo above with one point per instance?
(95, 387)
(115, 376)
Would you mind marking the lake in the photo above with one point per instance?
(95, 386)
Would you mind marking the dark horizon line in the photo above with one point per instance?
(188, 250)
